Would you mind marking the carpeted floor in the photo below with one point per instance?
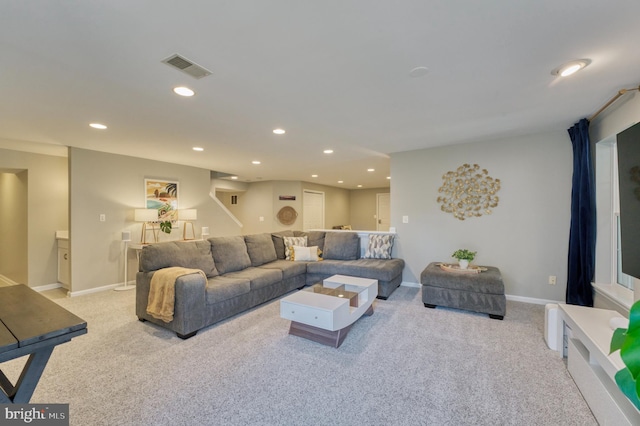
(405, 365)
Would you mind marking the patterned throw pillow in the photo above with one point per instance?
(289, 242)
(379, 247)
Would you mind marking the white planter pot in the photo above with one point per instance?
(464, 264)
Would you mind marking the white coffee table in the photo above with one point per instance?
(327, 318)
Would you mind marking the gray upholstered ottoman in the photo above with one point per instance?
(483, 292)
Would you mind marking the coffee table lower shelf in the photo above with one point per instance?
(320, 335)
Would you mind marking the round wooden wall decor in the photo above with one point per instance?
(468, 192)
(287, 215)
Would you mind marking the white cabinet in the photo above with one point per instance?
(64, 264)
(592, 367)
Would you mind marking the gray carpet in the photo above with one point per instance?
(405, 365)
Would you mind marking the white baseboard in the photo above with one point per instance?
(524, 299)
(532, 300)
(94, 290)
(46, 287)
(6, 281)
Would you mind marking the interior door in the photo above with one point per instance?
(383, 212)
(312, 210)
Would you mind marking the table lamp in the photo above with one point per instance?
(187, 216)
(147, 216)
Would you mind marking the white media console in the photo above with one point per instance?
(586, 334)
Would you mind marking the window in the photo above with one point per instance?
(621, 278)
(609, 279)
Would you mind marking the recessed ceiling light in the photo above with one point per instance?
(234, 177)
(340, 181)
(572, 67)
(328, 151)
(255, 162)
(359, 186)
(98, 126)
(419, 72)
(388, 177)
(314, 176)
(279, 131)
(371, 170)
(198, 148)
(183, 91)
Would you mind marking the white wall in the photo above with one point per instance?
(526, 236)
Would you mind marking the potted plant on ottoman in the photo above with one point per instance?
(464, 256)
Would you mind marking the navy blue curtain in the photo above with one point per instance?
(582, 236)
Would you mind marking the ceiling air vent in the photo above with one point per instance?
(187, 66)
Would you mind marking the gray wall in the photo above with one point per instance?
(14, 226)
(261, 199)
(364, 208)
(526, 236)
(47, 201)
(113, 185)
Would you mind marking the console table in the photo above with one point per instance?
(31, 324)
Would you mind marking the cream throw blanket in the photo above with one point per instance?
(162, 291)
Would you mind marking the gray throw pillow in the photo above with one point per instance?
(314, 238)
(187, 254)
(260, 248)
(341, 246)
(230, 253)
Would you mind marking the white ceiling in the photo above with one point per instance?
(334, 74)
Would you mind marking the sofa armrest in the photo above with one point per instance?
(189, 308)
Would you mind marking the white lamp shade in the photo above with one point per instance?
(146, 215)
(188, 214)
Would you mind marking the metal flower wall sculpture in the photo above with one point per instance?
(468, 192)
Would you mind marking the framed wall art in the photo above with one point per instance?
(162, 195)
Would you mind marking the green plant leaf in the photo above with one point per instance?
(628, 386)
(630, 351)
(618, 339)
(634, 317)
(166, 226)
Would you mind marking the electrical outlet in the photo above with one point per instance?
(405, 219)
(103, 217)
(552, 280)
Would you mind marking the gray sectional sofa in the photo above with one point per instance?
(245, 271)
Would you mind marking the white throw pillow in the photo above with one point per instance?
(305, 254)
(293, 241)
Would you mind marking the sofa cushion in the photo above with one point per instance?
(341, 245)
(289, 242)
(278, 242)
(229, 253)
(379, 246)
(314, 238)
(289, 269)
(223, 288)
(260, 248)
(187, 254)
(258, 277)
(375, 269)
